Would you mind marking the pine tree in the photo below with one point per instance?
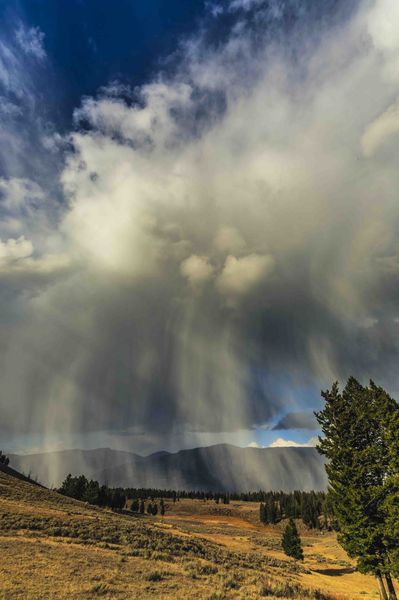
(4, 460)
(91, 492)
(309, 512)
(271, 512)
(262, 513)
(355, 442)
(291, 542)
(391, 503)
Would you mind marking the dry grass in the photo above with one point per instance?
(55, 547)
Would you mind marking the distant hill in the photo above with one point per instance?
(219, 468)
(51, 468)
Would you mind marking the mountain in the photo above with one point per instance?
(223, 467)
(219, 468)
(51, 468)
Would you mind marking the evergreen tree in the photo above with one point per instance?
(103, 496)
(309, 512)
(91, 492)
(355, 427)
(271, 512)
(291, 542)
(118, 499)
(4, 460)
(391, 502)
(262, 513)
(74, 487)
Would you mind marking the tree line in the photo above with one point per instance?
(92, 492)
(314, 508)
(309, 506)
(81, 488)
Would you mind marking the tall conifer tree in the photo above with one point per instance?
(355, 443)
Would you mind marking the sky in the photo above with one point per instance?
(199, 221)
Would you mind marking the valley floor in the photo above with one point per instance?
(55, 547)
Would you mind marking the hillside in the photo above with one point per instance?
(54, 547)
(219, 468)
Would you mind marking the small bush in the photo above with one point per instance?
(231, 584)
(155, 576)
(207, 570)
(101, 589)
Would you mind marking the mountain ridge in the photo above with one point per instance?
(220, 467)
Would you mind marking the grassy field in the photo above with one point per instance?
(55, 547)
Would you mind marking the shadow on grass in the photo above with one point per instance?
(335, 572)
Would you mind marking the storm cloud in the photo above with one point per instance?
(232, 222)
(296, 420)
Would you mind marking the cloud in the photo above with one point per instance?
(380, 130)
(383, 27)
(241, 275)
(28, 216)
(12, 250)
(382, 24)
(245, 4)
(31, 41)
(283, 443)
(296, 420)
(196, 269)
(228, 239)
(238, 174)
(27, 95)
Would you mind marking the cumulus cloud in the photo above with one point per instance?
(241, 275)
(196, 269)
(254, 445)
(283, 443)
(382, 22)
(225, 227)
